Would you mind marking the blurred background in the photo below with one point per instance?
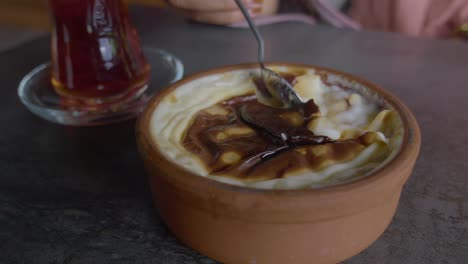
(24, 20)
(33, 13)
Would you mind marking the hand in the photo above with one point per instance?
(222, 12)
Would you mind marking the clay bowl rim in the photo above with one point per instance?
(411, 139)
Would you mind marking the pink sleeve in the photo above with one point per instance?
(432, 18)
(402, 16)
(462, 14)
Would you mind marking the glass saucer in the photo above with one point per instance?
(38, 95)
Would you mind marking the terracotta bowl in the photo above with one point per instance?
(237, 225)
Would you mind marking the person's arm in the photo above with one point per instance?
(222, 12)
(430, 18)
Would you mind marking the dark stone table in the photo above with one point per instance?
(80, 195)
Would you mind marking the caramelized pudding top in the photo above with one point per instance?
(215, 127)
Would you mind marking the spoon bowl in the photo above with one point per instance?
(280, 89)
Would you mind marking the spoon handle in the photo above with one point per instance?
(254, 29)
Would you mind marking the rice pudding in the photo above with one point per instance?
(215, 127)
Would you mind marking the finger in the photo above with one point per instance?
(213, 5)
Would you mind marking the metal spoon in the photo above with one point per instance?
(273, 90)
